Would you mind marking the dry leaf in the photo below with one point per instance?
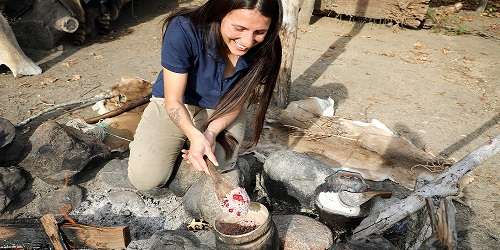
(389, 54)
(75, 78)
(70, 63)
(418, 45)
(48, 80)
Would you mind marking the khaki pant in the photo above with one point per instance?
(158, 141)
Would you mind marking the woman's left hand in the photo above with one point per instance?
(210, 136)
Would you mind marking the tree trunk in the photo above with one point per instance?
(288, 35)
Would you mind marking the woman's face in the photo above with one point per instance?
(242, 29)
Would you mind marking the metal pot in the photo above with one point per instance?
(341, 181)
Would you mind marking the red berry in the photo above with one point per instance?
(238, 197)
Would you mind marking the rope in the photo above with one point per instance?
(98, 131)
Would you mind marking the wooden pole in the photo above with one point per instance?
(288, 35)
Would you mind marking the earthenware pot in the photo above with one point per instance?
(264, 236)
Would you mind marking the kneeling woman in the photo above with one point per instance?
(215, 58)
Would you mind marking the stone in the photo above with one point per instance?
(297, 232)
(295, 174)
(114, 174)
(61, 201)
(249, 166)
(59, 152)
(13, 152)
(12, 182)
(176, 239)
(126, 198)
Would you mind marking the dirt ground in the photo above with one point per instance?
(442, 91)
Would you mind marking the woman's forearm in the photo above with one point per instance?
(219, 124)
(181, 118)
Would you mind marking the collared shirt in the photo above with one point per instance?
(183, 51)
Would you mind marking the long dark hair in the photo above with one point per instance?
(257, 85)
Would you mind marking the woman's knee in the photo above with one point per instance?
(145, 177)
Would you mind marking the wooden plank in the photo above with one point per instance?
(408, 12)
(29, 234)
(83, 236)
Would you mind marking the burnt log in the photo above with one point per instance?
(407, 12)
(23, 234)
(30, 234)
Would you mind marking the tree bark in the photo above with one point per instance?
(288, 35)
(443, 185)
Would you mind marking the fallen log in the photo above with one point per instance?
(443, 185)
(30, 234)
(408, 12)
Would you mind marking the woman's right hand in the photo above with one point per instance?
(199, 147)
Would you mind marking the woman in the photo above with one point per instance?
(215, 58)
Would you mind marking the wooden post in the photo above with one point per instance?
(288, 35)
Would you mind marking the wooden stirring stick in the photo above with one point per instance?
(234, 200)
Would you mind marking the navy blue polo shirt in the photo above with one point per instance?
(183, 51)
